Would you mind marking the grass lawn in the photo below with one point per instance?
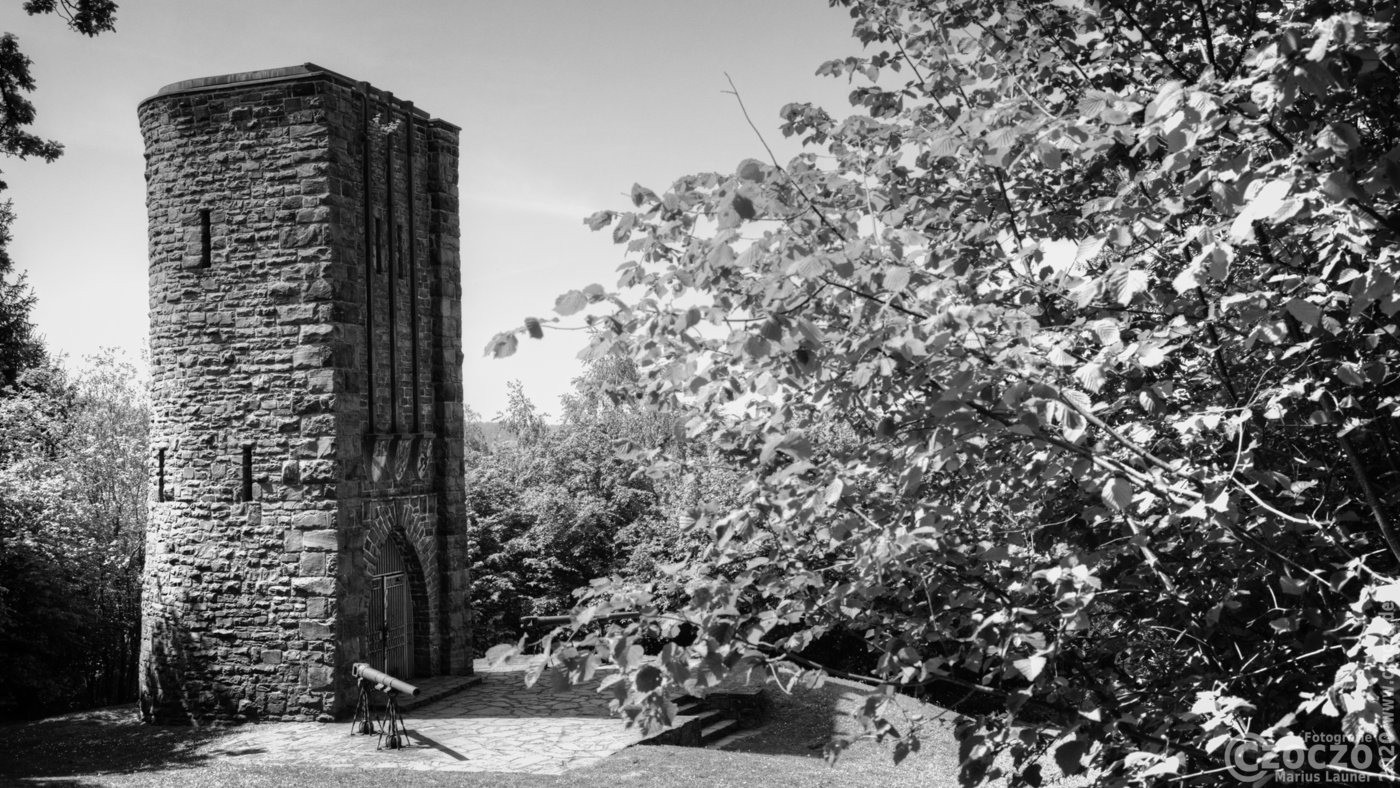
(109, 747)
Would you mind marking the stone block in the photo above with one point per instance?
(318, 448)
(317, 333)
(295, 314)
(312, 564)
(320, 290)
(318, 471)
(319, 540)
(321, 381)
(319, 677)
(311, 357)
(314, 586)
(312, 520)
(315, 630)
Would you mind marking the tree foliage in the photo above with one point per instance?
(72, 534)
(20, 349)
(553, 507)
(1107, 291)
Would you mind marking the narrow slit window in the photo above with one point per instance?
(160, 475)
(378, 245)
(206, 240)
(247, 472)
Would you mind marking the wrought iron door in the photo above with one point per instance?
(390, 617)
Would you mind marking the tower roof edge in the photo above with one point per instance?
(266, 75)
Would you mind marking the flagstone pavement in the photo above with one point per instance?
(498, 725)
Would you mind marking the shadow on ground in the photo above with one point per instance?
(99, 741)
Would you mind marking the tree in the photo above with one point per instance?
(72, 535)
(19, 348)
(1107, 290)
(553, 506)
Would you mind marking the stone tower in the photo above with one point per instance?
(307, 506)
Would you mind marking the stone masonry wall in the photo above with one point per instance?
(305, 325)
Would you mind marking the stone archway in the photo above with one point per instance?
(398, 638)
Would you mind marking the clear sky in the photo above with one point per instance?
(563, 104)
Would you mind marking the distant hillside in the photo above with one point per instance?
(487, 432)
(483, 434)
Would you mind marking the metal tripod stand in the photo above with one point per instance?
(361, 722)
(392, 733)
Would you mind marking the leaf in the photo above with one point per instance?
(641, 194)
(743, 206)
(1095, 102)
(1060, 357)
(623, 230)
(599, 220)
(1171, 764)
(1030, 667)
(1263, 199)
(896, 279)
(1348, 374)
(1306, 312)
(1186, 280)
(1107, 331)
(1091, 376)
(647, 679)
(1070, 756)
(901, 751)
(532, 327)
(1134, 281)
(751, 170)
(1150, 354)
(1388, 593)
(570, 302)
(756, 346)
(1089, 248)
(796, 445)
(502, 345)
(809, 267)
(832, 495)
(1118, 494)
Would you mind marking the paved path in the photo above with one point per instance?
(499, 725)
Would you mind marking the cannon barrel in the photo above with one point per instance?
(384, 680)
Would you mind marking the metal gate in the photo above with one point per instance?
(390, 615)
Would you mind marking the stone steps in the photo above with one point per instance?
(713, 719)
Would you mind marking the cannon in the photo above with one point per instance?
(382, 680)
(392, 733)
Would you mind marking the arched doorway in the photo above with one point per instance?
(391, 614)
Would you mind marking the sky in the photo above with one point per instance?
(563, 105)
